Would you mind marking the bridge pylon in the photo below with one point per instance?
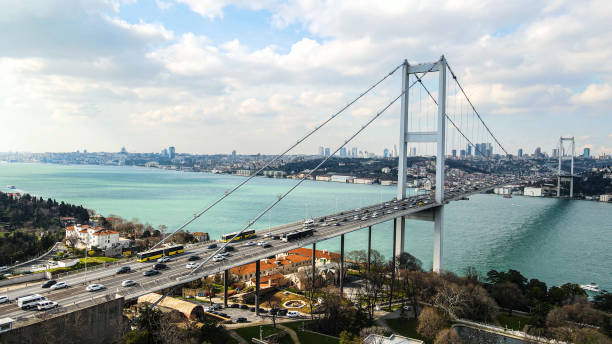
(561, 177)
(439, 137)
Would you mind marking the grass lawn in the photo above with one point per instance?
(309, 337)
(405, 327)
(253, 331)
(98, 260)
(512, 321)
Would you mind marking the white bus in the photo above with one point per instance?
(30, 301)
(6, 324)
(308, 223)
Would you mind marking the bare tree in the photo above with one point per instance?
(430, 323)
(448, 336)
(450, 298)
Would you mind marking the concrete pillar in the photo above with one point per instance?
(342, 265)
(314, 257)
(438, 238)
(399, 232)
(225, 282)
(403, 144)
(393, 255)
(369, 246)
(257, 273)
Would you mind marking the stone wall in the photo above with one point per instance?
(97, 324)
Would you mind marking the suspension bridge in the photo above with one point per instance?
(436, 117)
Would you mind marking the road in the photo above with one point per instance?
(325, 227)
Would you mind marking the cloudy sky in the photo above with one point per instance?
(209, 76)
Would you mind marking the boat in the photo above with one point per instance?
(507, 196)
(11, 187)
(591, 287)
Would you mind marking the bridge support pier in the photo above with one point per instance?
(225, 282)
(369, 246)
(438, 238)
(257, 273)
(342, 265)
(399, 225)
(312, 285)
(393, 265)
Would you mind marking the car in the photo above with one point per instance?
(282, 312)
(293, 314)
(276, 237)
(48, 284)
(356, 217)
(46, 305)
(59, 285)
(252, 309)
(4, 299)
(128, 283)
(224, 315)
(191, 265)
(95, 287)
(164, 259)
(407, 308)
(266, 245)
(229, 248)
(208, 309)
(241, 320)
(235, 305)
(225, 254)
(159, 266)
(123, 270)
(150, 273)
(250, 243)
(192, 258)
(322, 219)
(345, 219)
(218, 258)
(325, 224)
(337, 224)
(244, 307)
(267, 235)
(211, 246)
(260, 243)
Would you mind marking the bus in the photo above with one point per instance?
(246, 234)
(308, 223)
(30, 301)
(302, 233)
(160, 252)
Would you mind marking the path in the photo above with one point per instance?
(291, 333)
(237, 337)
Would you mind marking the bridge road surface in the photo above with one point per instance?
(176, 273)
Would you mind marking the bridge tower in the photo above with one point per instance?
(438, 136)
(561, 177)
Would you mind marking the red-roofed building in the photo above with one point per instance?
(89, 236)
(283, 265)
(322, 257)
(274, 280)
(200, 236)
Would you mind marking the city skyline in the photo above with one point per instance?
(207, 76)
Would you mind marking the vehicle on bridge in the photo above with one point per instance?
(59, 285)
(246, 234)
(95, 287)
(128, 283)
(158, 253)
(30, 301)
(3, 299)
(46, 305)
(297, 234)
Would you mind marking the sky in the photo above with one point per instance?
(211, 76)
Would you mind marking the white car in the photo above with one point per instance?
(164, 259)
(293, 314)
(45, 305)
(218, 258)
(128, 283)
(59, 285)
(325, 224)
(191, 265)
(261, 243)
(250, 243)
(3, 299)
(95, 287)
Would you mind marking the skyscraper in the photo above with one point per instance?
(454, 153)
(413, 151)
(385, 153)
(520, 152)
(538, 152)
(343, 152)
(555, 152)
(587, 153)
(462, 153)
(321, 151)
(469, 150)
(234, 154)
(171, 152)
(354, 152)
(327, 151)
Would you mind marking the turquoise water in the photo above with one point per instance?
(554, 240)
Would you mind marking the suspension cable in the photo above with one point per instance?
(227, 193)
(474, 108)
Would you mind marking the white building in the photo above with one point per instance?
(533, 192)
(364, 180)
(89, 236)
(605, 198)
(392, 339)
(341, 179)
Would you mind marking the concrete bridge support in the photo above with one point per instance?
(342, 265)
(225, 282)
(314, 259)
(369, 246)
(257, 273)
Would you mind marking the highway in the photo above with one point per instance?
(325, 227)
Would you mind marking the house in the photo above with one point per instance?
(364, 180)
(282, 264)
(323, 178)
(274, 280)
(201, 236)
(90, 236)
(322, 257)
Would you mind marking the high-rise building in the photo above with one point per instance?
(520, 152)
(321, 151)
(587, 153)
(343, 152)
(327, 151)
(454, 153)
(538, 152)
(462, 153)
(171, 152)
(469, 150)
(234, 154)
(164, 153)
(385, 153)
(555, 152)
(354, 152)
(412, 151)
